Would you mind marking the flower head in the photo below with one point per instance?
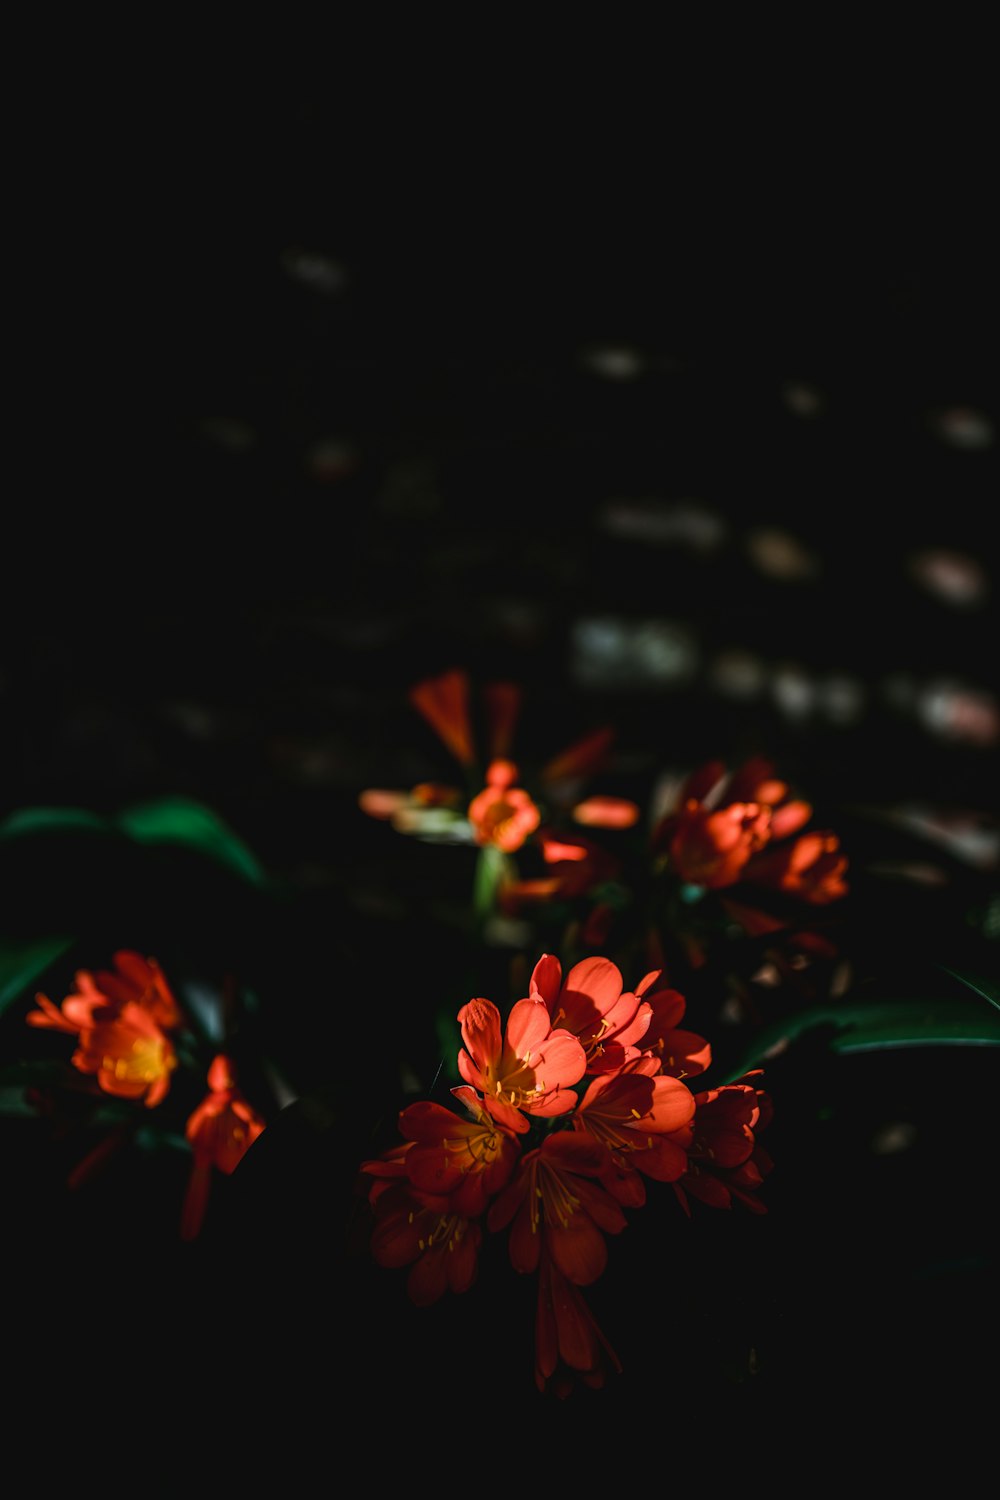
(593, 1005)
(465, 1162)
(221, 1130)
(644, 1123)
(128, 1053)
(556, 1196)
(440, 1246)
(527, 1071)
(104, 994)
(725, 1160)
(503, 814)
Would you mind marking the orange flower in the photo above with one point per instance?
(531, 1069)
(812, 868)
(129, 1054)
(645, 1125)
(503, 814)
(465, 1161)
(221, 1130)
(143, 981)
(569, 1344)
(728, 829)
(101, 996)
(555, 1196)
(681, 1053)
(592, 1004)
(725, 1160)
(441, 1247)
(710, 847)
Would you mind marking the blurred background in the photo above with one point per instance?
(699, 441)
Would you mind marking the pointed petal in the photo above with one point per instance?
(444, 703)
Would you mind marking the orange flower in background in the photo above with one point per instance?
(569, 1344)
(527, 1070)
(441, 1247)
(103, 995)
(221, 1131)
(593, 1004)
(812, 868)
(555, 1195)
(735, 827)
(140, 980)
(711, 847)
(128, 1053)
(503, 814)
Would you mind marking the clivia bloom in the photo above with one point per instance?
(440, 1246)
(503, 814)
(812, 868)
(530, 1070)
(727, 829)
(129, 1054)
(221, 1130)
(725, 1160)
(680, 1053)
(710, 846)
(466, 1162)
(644, 1123)
(556, 1196)
(101, 996)
(592, 1004)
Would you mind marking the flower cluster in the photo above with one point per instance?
(131, 1035)
(573, 1106)
(723, 879)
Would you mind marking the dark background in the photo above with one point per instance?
(311, 405)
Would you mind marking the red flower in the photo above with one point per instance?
(221, 1130)
(645, 1125)
(725, 1160)
(101, 996)
(732, 828)
(555, 1195)
(811, 868)
(592, 1004)
(143, 981)
(569, 1344)
(465, 1161)
(710, 846)
(440, 1246)
(503, 814)
(680, 1053)
(530, 1070)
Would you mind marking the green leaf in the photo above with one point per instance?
(984, 987)
(882, 1024)
(23, 962)
(176, 820)
(29, 820)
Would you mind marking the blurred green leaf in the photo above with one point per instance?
(176, 820)
(23, 962)
(169, 821)
(29, 820)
